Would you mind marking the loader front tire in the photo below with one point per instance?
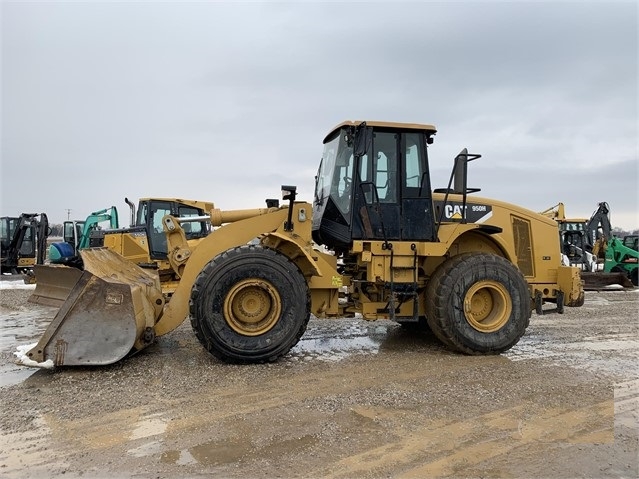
(478, 303)
(249, 305)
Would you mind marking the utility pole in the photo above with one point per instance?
(68, 213)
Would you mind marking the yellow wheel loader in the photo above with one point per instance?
(377, 242)
(142, 243)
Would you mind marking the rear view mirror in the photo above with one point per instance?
(363, 137)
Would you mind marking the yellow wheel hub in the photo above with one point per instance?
(252, 307)
(487, 306)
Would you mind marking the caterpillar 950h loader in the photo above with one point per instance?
(472, 269)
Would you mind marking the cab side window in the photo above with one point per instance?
(192, 229)
(413, 166)
(385, 166)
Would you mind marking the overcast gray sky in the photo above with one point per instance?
(226, 101)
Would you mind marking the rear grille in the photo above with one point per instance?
(523, 246)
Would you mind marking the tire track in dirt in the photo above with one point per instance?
(479, 439)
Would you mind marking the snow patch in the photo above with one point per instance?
(16, 285)
(23, 359)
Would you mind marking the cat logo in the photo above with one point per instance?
(453, 212)
(472, 213)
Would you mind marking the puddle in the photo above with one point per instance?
(146, 449)
(340, 340)
(181, 458)
(232, 450)
(332, 349)
(21, 326)
(210, 453)
(151, 425)
(148, 426)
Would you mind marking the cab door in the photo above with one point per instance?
(394, 200)
(377, 212)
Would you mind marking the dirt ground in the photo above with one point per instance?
(353, 399)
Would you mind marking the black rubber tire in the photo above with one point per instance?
(445, 295)
(634, 276)
(236, 267)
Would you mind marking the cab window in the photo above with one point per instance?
(192, 229)
(385, 166)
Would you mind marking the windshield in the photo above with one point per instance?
(335, 175)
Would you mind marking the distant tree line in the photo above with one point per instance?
(620, 233)
(56, 230)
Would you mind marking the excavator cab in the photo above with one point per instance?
(72, 232)
(10, 229)
(23, 241)
(373, 183)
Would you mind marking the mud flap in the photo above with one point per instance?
(109, 313)
(53, 284)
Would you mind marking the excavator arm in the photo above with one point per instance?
(95, 218)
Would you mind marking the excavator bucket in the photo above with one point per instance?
(53, 284)
(594, 281)
(109, 313)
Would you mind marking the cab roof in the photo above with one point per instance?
(384, 124)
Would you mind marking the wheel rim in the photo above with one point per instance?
(487, 306)
(252, 307)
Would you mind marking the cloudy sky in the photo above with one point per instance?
(226, 101)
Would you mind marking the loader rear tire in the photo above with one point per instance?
(250, 305)
(478, 303)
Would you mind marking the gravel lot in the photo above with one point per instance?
(353, 399)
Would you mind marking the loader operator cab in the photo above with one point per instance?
(373, 183)
(149, 218)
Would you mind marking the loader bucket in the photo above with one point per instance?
(53, 284)
(109, 313)
(594, 281)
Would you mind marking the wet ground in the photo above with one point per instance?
(352, 399)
